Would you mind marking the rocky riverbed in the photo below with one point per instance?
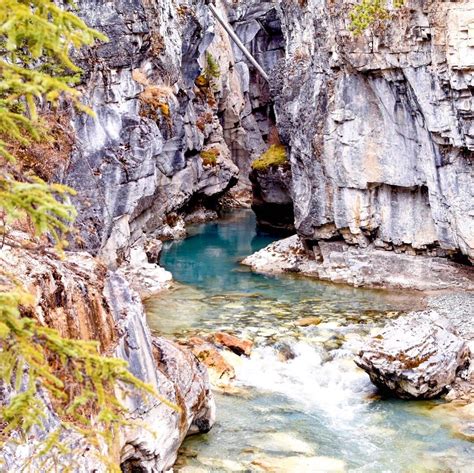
(368, 267)
(281, 349)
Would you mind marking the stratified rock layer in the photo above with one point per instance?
(381, 127)
(415, 357)
(139, 158)
(343, 263)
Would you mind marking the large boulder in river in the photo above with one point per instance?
(415, 357)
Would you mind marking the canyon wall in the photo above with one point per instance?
(380, 127)
(139, 158)
(169, 132)
(80, 298)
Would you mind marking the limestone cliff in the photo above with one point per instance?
(381, 127)
(166, 132)
(159, 110)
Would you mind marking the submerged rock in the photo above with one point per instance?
(220, 371)
(415, 357)
(299, 464)
(308, 321)
(235, 344)
(287, 442)
(285, 351)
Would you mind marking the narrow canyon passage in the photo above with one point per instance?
(299, 396)
(237, 236)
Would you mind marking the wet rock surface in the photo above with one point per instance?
(221, 372)
(370, 267)
(220, 352)
(235, 344)
(415, 357)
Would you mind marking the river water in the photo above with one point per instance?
(299, 404)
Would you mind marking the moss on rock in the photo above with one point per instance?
(209, 157)
(275, 156)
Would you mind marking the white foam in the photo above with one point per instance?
(337, 389)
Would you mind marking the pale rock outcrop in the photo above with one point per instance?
(80, 298)
(144, 277)
(381, 127)
(343, 263)
(415, 357)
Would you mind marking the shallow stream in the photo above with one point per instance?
(299, 404)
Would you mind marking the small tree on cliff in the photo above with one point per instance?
(368, 12)
(36, 37)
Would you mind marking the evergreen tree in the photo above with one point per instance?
(36, 37)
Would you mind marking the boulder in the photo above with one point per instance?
(220, 371)
(415, 357)
(235, 344)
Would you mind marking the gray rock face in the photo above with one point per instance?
(176, 374)
(381, 128)
(139, 159)
(258, 26)
(416, 357)
(272, 201)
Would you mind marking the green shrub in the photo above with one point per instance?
(209, 157)
(275, 156)
(367, 12)
(212, 70)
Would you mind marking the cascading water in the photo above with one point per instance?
(299, 403)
